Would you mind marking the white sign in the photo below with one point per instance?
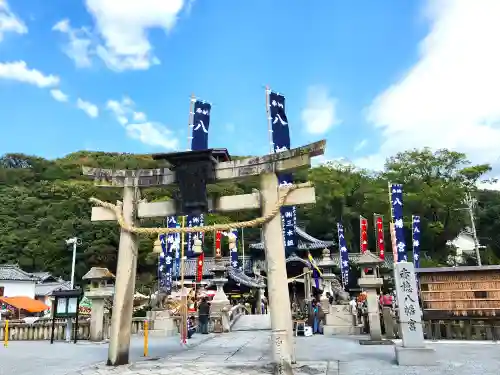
(61, 306)
(72, 302)
(410, 315)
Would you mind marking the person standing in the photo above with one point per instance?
(204, 315)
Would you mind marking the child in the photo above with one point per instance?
(191, 328)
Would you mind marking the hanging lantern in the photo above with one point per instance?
(231, 238)
(157, 246)
(197, 249)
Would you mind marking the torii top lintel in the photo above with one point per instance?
(285, 161)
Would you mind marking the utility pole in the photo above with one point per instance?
(72, 241)
(471, 205)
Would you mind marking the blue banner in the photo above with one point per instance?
(168, 244)
(200, 125)
(344, 256)
(281, 142)
(234, 252)
(396, 191)
(199, 141)
(177, 253)
(193, 221)
(416, 240)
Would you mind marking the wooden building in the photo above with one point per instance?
(455, 292)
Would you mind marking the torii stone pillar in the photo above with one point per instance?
(277, 283)
(123, 302)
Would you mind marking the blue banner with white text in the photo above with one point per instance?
(235, 263)
(177, 253)
(396, 191)
(168, 245)
(416, 240)
(344, 256)
(193, 221)
(200, 125)
(281, 142)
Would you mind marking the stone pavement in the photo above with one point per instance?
(244, 353)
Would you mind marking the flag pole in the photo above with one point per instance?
(190, 121)
(183, 294)
(269, 126)
(243, 248)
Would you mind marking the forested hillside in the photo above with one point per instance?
(44, 202)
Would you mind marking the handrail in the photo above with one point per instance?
(235, 313)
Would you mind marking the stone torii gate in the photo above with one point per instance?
(191, 202)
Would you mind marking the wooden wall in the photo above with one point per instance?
(473, 294)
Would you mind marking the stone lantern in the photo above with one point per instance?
(326, 264)
(101, 286)
(220, 299)
(370, 282)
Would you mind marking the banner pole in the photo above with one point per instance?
(183, 294)
(190, 121)
(269, 126)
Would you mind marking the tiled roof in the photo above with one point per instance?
(246, 280)
(12, 272)
(191, 264)
(353, 257)
(306, 242)
(47, 288)
(209, 263)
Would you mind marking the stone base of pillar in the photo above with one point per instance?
(339, 321)
(415, 356)
(163, 324)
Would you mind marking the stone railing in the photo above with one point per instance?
(42, 328)
(235, 313)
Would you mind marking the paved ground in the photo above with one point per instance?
(243, 353)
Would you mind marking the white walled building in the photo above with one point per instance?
(464, 245)
(14, 282)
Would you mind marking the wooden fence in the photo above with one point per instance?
(465, 329)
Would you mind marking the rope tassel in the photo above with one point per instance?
(117, 209)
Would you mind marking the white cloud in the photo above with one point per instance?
(320, 113)
(59, 95)
(153, 134)
(139, 116)
(120, 37)
(79, 43)
(449, 98)
(138, 127)
(9, 22)
(361, 145)
(90, 109)
(19, 71)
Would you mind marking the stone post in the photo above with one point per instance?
(307, 284)
(413, 351)
(326, 265)
(388, 322)
(370, 284)
(279, 300)
(123, 302)
(97, 319)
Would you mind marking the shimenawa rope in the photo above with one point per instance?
(117, 209)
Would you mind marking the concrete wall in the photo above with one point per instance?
(18, 288)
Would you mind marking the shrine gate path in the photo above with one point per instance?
(242, 353)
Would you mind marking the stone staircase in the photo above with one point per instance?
(252, 323)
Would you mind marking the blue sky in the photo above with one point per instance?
(363, 74)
